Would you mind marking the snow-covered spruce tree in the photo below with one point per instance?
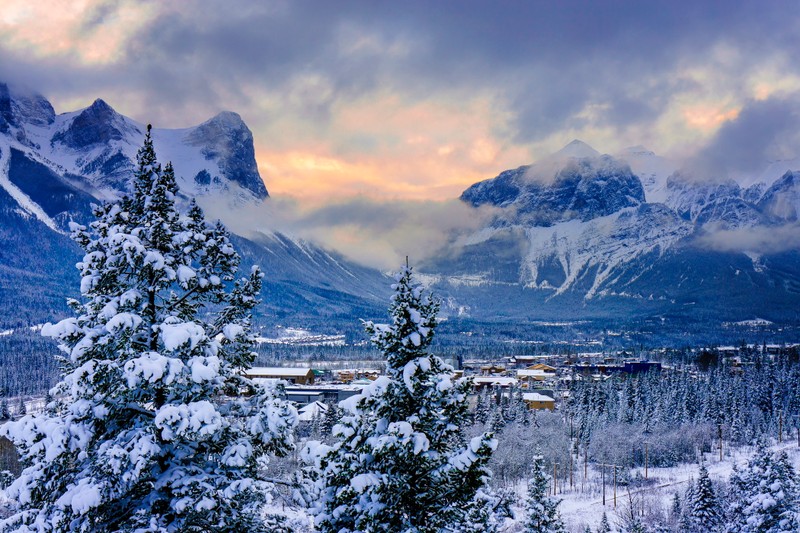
(703, 508)
(22, 410)
(541, 510)
(398, 463)
(604, 526)
(153, 428)
(764, 496)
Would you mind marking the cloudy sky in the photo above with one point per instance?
(368, 115)
(416, 100)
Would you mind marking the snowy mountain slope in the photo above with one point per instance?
(653, 170)
(782, 199)
(54, 167)
(605, 246)
(99, 145)
(586, 236)
(687, 196)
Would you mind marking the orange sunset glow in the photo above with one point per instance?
(355, 106)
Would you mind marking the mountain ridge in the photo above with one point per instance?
(53, 167)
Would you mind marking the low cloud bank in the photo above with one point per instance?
(757, 240)
(374, 233)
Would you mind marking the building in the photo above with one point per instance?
(628, 367)
(482, 382)
(537, 401)
(304, 395)
(530, 376)
(488, 370)
(297, 376)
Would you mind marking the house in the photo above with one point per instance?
(333, 393)
(345, 376)
(312, 411)
(297, 376)
(543, 368)
(537, 401)
(530, 376)
(627, 367)
(482, 382)
(488, 370)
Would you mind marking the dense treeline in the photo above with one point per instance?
(742, 404)
(28, 363)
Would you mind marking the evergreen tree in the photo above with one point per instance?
(483, 407)
(764, 495)
(484, 514)
(155, 428)
(398, 464)
(22, 410)
(5, 414)
(703, 508)
(604, 526)
(675, 510)
(541, 511)
(330, 419)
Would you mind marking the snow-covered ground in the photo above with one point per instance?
(300, 336)
(583, 505)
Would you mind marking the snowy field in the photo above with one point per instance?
(583, 505)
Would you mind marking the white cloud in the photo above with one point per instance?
(375, 233)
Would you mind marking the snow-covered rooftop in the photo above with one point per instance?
(536, 397)
(494, 380)
(277, 371)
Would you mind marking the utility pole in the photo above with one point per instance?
(555, 478)
(645, 460)
(586, 458)
(603, 470)
(570, 469)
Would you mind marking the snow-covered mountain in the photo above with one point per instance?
(561, 189)
(577, 234)
(579, 231)
(53, 167)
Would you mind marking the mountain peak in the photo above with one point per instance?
(577, 148)
(227, 138)
(229, 117)
(100, 106)
(637, 150)
(97, 124)
(19, 106)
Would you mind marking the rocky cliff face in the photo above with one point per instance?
(782, 199)
(582, 188)
(227, 140)
(98, 146)
(97, 124)
(575, 233)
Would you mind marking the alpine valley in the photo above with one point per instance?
(619, 242)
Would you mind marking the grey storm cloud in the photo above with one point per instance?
(544, 60)
(764, 130)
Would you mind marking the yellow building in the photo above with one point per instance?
(537, 401)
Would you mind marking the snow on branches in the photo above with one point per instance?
(154, 427)
(399, 462)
